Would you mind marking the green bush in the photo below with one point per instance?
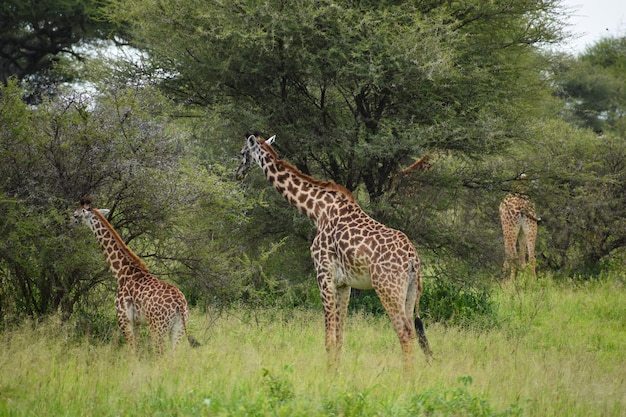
(454, 303)
(443, 301)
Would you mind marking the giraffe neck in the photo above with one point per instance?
(312, 197)
(115, 250)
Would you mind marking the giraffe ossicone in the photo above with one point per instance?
(350, 249)
(141, 297)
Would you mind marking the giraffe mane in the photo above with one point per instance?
(119, 239)
(324, 184)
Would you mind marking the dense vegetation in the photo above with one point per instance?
(355, 91)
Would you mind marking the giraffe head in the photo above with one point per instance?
(520, 184)
(84, 212)
(250, 154)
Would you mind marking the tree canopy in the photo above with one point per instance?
(355, 90)
(594, 86)
(36, 35)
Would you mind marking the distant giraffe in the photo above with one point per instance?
(350, 250)
(423, 164)
(519, 226)
(141, 297)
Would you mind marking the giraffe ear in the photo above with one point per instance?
(252, 141)
(104, 212)
(271, 140)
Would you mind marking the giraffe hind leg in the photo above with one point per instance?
(508, 268)
(177, 330)
(530, 233)
(158, 334)
(522, 249)
(405, 330)
(412, 306)
(127, 328)
(192, 340)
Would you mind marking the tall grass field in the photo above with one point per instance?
(558, 350)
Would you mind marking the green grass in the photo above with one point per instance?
(559, 350)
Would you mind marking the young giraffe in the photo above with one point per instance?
(141, 297)
(519, 226)
(350, 250)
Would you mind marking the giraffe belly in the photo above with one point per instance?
(136, 315)
(355, 277)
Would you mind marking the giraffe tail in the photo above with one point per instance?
(193, 342)
(419, 326)
(421, 337)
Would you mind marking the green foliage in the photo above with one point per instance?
(459, 304)
(367, 302)
(123, 149)
(592, 86)
(579, 183)
(272, 289)
(201, 247)
(39, 36)
(278, 390)
(458, 401)
(43, 269)
(451, 214)
(355, 91)
(465, 303)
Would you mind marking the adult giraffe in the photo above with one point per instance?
(141, 297)
(519, 228)
(350, 250)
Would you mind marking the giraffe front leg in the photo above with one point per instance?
(510, 257)
(128, 330)
(327, 293)
(341, 302)
(125, 314)
(324, 265)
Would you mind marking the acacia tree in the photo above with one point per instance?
(355, 90)
(582, 170)
(36, 36)
(592, 86)
(123, 149)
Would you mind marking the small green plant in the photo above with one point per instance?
(278, 389)
(458, 304)
(366, 302)
(457, 402)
